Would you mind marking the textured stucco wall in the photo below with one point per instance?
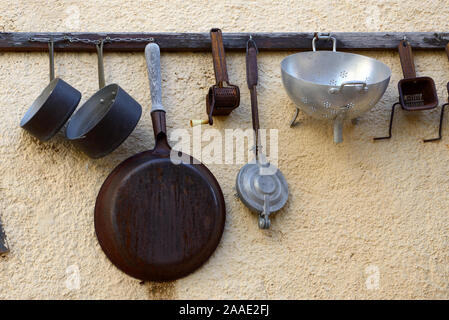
(355, 210)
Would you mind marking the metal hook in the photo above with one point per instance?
(293, 121)
(251, 40)
(390, 125)
(101, 79)
(51, 53)
(405, 41)
(440, 128)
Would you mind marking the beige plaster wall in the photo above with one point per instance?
(356, 211)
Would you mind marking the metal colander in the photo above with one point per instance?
(334, 85)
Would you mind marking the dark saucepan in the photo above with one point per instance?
(106, 119)
(52, 108)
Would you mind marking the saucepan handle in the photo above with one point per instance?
(363, 86)
(101, 78)
(51, 53)
(153, 57)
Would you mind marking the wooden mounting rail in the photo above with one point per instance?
(273, 41)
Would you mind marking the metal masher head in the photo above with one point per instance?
(223, 100)
(414, 100)
(417, 94)
(220, 101)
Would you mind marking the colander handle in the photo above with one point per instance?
(363, 86)
(324, 36)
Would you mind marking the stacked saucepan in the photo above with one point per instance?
(100, 125)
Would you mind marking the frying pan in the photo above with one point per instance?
(53, 107)
(104, 121)
(154, 219)
(415, 93)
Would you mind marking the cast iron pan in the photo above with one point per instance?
(157, 220)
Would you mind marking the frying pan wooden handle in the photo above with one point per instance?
(406, 57)
(153, 58)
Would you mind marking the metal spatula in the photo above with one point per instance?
(260, 185)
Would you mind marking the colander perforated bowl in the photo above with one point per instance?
(334, 85)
